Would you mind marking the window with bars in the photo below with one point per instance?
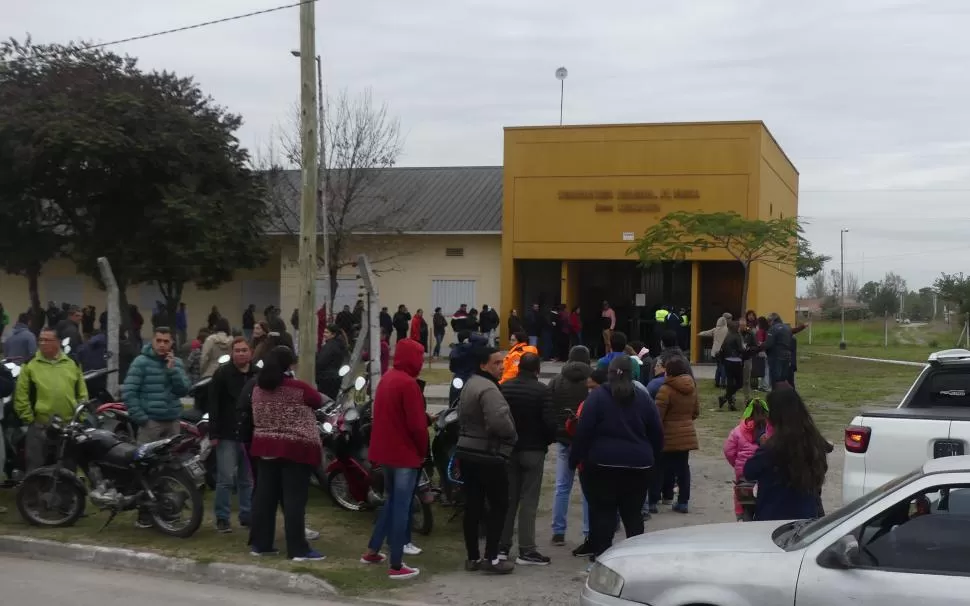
(450, 294)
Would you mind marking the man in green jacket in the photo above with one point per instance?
(153, 388)
(49, 384)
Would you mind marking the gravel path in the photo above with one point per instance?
(561, 582)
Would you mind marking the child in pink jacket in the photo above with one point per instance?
(745, 439)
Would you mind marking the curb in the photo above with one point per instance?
(232, 575)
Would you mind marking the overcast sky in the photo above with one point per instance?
(865, 96)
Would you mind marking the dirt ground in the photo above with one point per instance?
(561, 582)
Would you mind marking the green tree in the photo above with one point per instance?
(885, 301)
(775, 241)
(139, 167)
(868, 292)
(807, 263)
(955, 289)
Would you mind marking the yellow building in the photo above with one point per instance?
(575, 198)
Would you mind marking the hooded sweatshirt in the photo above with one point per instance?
(742, 443)
(399, 434)
(717, 333)
(21, 343)
(568, 392)
(215, 346)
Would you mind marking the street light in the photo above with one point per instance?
(842, 280)
(323, 183)
(561, 74)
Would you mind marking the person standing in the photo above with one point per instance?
(520, 345)
(70, 328)
(717, 335)
(732, 356)
(568, 390)
(399, 443)
(533, 325)
(332, 356)
(21, 343)
(608, 323)
(49, 384)
(459, 320)
(419, 329)
(286, 443)
(530, 403)
(679, 406)
(489, 320)
(486, 439)
(213, 318)
(249, 321)
(617, 439)
(152, 392)
(181, 326)
(402, 321)
(440, 325)
(778, 346)
(576, 326)
(233, 466)
(215, 346)
(88, 316)
(514, 323)
(750, 355)
(387, 325)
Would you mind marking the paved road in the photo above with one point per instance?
(27, 581)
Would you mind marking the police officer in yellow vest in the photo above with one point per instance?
(684, 330)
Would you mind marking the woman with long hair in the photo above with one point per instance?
(260, 330)
(731, 357)
(790, 467)
(332, 356)
(618, 438)
(286, 443)
(679, 406)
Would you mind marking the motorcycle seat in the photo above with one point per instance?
(191, 415)
(146, 451)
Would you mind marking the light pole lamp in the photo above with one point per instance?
(561, 75)
(323, 185)
(842, 283)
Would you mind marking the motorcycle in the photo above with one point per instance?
(354, 483)
(118, 476)
(443, 448)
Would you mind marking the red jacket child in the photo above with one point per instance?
(399, 434)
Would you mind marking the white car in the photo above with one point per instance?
(906, 543)
(932, 421)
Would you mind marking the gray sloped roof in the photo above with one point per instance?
(434, 199)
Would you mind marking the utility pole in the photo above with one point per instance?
(842, 285)
(308, 201)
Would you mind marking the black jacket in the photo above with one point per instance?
(732, 346)
(779, 343)
(224, 390)
(386, 325)
(402, 322)
(345, 322)
(439, 323)
(489, 320)
(531, 404)
(515, 324)
(332, 356)
(568, 390)
(248, 320)
(244, 412)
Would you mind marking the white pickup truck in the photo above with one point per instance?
(932, 421)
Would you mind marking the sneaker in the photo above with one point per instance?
(558, 540)
(311, 534)
(310, 556)
(3, 509)
(584, 550)
(222, 526)
(412, 550)
(497, 567)
(503, 553)
(680, 507)
(272, 551)
(373, 558)
(646, 515)
(473, 565)
(403, 573)
(532, 558)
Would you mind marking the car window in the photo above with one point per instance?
(928, 532)
(798, 537)
(944, 387)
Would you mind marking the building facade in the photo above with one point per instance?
(576, 198)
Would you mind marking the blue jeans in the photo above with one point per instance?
(533, 341)
(439, 338)
(232, 467)
(394, 522)
(564, 486)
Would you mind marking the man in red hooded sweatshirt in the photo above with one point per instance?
(399, 443)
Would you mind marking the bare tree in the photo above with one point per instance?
(361, 139)
(851, 284)
(818, 287)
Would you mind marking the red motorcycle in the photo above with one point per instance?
(354, 483)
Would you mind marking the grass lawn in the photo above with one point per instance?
(871, 334)
(835, 389)
(343, 538)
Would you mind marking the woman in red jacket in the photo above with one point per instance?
(399, 442)
(419, 329)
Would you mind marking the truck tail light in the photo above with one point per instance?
(857, 438)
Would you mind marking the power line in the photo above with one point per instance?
(883, 189)
(198, 25)
(910, 254)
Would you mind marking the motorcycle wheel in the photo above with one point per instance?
(339, 491)
(171, 505)
(35, 495)
(422, 518)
